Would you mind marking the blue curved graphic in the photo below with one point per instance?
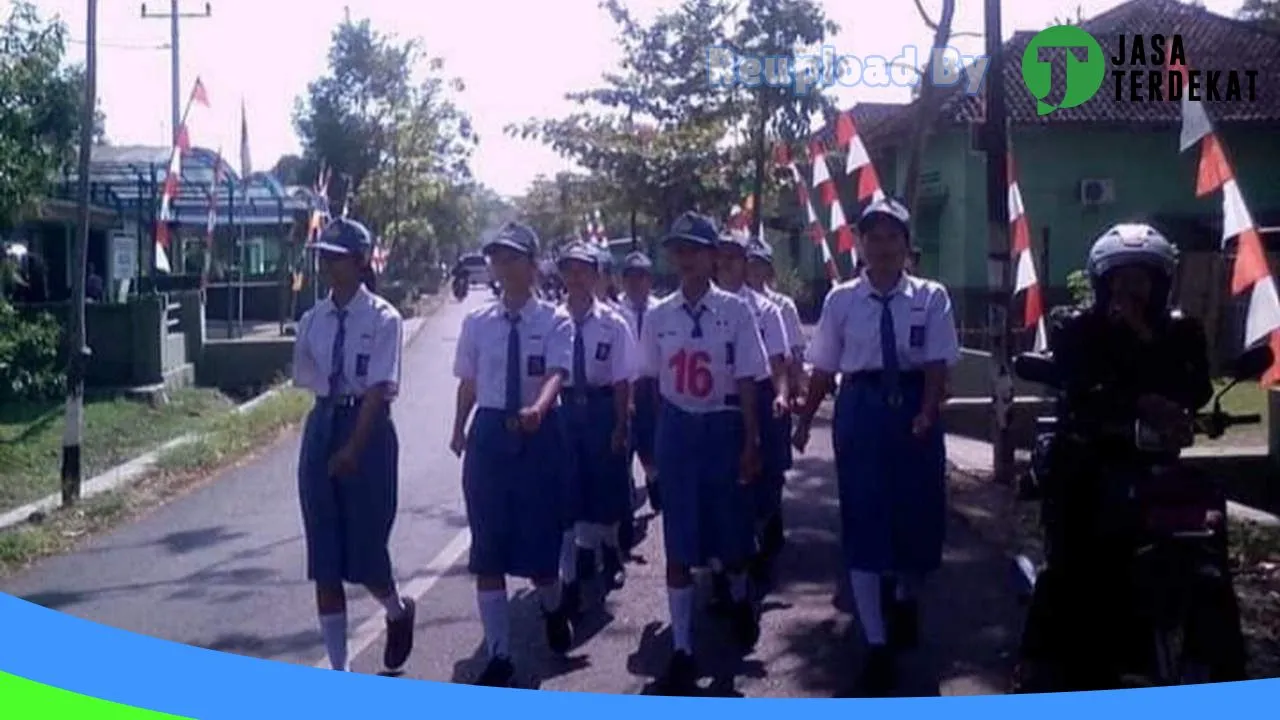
(65, 652)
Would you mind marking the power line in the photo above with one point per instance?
(122, 46)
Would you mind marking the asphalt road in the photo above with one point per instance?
(222, 568)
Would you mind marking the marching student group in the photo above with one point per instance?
(712, 388)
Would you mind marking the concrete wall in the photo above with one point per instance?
(234, 365)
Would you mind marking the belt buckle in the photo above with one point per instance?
(513, 423)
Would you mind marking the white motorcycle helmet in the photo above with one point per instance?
(1133, 245)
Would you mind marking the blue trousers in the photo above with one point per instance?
(347, 521)
(775, 454)
(644, 422)
(514, 485)
(707, 511)
(598, 479)
(892, 484)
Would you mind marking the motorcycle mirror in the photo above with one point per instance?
(1036, 368)
(1252, 364)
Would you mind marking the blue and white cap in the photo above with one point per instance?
(762, 252)
(514, 236)
(344, 236)
(887, 208)
(579, 252)
(637, 261)
(695, 228)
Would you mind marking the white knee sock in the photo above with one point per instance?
(866, 597)
(333, 629)
(680, 603)
(569, 557)
(495, 617)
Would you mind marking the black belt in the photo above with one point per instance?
(879, 377)
(579, 395)
(733, 401)
(341, 401)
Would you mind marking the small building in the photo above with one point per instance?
(1082, 169)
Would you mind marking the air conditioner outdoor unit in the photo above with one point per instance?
(1097, 191)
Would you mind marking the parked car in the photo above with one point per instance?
(478, 267)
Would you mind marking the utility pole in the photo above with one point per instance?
(175, 16)
(78, 350)
(999, 267)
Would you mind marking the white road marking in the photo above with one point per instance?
(372, 629)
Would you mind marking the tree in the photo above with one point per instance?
(39, 109)
(654, 133)
(928, 104)
(1265, 13)
(398, 149)
(289, 171)
(780, 28)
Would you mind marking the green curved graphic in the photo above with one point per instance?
(27, 700)
(1084, 77)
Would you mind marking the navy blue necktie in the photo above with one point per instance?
(338, 359)
(579, 357)
(888, 346)
(639, 319)
(513, 364)
(696, 317)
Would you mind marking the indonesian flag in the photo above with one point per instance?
(844, 233)
(1026, 281)
(1251, 272)
(782, 156)
(822, 181)
(378, 260)
(316, 223)
(857, 160)
(173, 177)
(601, 236)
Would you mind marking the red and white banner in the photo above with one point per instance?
(1026, 282)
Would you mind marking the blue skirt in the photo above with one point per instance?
(644, 422)
(707, 512)
(514, 487)
(775, 454)
(892, 485)
(347, 521)
(599, 484)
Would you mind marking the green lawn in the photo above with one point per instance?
(115, 431)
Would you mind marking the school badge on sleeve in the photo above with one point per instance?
(916, 336)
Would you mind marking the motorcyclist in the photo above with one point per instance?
(1126, 357)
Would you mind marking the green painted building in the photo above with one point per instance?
(1085, 168)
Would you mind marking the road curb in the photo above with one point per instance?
(130, 472)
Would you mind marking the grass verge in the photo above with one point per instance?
(115, 431)
(230, 439)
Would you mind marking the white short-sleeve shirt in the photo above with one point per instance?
(790, 319)
(371, 347)
(608, 347)
(768, 316)
(700, 373)
(847, 338)
(546, 346)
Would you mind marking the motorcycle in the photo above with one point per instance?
(460, 287)
(1171, 569)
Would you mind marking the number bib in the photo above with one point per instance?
(696, 372)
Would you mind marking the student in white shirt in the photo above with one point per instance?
(512, 359)
(892, 338)
(637, 302)
(773, 395)
(703, 347)
(347, 352)
(596, 410)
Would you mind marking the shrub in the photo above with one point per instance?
(30, 368)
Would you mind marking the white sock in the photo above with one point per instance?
(680, 603)
(908, 586)
(569, 557)
(333, 629)
(394, 605)
(866, 597)
(738, 586)
(549, 596)
(495, 617)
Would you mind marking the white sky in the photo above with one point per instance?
(517, 57)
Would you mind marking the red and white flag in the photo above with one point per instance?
(1251, 272)
(1027, 283)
